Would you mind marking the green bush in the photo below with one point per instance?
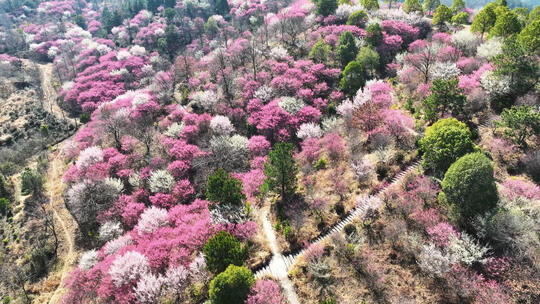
(320, 164)
(326, 7)
(281, 170)
(231, 286)
(320, 51)
(444, 142)
(346, 48)
(442, 14)
(382, 171)
(329, 301)
(4, 206)
(222, 187)
(484, 20)
(445, 98)
(8, 168)
(374, 35)
(530, 36)
(358, 18)
(32, 182)
(370, 4)
(520, 123)
(461, 18)
(3, 186)
(84, 117)
(410, 6)
(223, 250)
(506, 24)
(469, 187)
(44, 130)
(352, 78)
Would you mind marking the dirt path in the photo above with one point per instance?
(277, 267)
(64, 222)
(49, 92)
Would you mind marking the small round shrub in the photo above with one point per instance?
(358, 18)
(320, 164)
(444, 142)
(231, 286)
(461, 18)
(469, 187)
(223, 250)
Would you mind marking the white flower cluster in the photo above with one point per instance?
(308, 130)
(110, 230)
(152, 219)
(205, 99)
(66, 86)
(52, 52)
(103, 49)
(139, 98)
(347, 108)
(291, 105)
(362, 170)
(134, 180)
(230, 151)
(465, 250)
(444, 70)
(111, 247)
(88, 259)
(159, 32)
(161, 181)
(489, 49)
(128, 268)
(433, 261)
(123, 55)
(174, 129)
(495, 85)
(398, 15)
(279, 53)
(115, 184)
(88, 157)
(331, 124)
(264, 93)
(77, 32)
(466, 41)
(138, 50)
(221, 125)
(119, 72)
(345, 10)
(227, 213)
(148, 288)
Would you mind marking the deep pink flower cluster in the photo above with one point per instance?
(104, 81)
(407, 32)
(187, 229)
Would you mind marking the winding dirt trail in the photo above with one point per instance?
(68, 254)
(52, 290)
(49, 92)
